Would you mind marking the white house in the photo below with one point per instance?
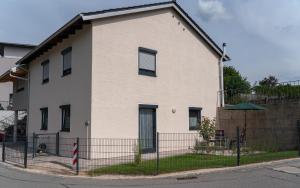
(121, 73)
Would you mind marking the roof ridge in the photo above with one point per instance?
(128, 7)
(82, 18)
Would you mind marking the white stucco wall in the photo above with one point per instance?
(187, 74)
(73, 89)
(15, 52)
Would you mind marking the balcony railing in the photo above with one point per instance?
(264, 94)
(6, 105)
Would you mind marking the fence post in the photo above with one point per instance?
(157, 153)
(238, 145)
(25, 152)
(33, 145)
(298, 127)
(77, 157)
(3, 149)
(57, 143)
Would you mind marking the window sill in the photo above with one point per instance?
(44, 129)
(45, 81)
(147, 73)
(148, 151)
(67, 72)
(65, 131)
(19, 90)
(193, 129)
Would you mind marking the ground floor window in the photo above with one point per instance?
(65, 118)
(44, 123)
(194, 117)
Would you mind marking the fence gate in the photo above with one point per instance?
(15, 152)
(44, 144)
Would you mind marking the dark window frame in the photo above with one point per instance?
(66, 71)
(146, 72)
(44, 124)
(63, 126)
(199, 112)
(154, 108)
(44, 63)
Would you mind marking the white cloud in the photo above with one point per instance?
(212, 10)
(274, 20)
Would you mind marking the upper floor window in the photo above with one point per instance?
(67, 61)
(194, 118)
(65, 118)
(45, 66)
(44, 123)
(147, 62)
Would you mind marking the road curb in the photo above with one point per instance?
(170, 175)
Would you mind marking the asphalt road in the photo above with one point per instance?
(279, 175)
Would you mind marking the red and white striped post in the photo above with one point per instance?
(76, 155)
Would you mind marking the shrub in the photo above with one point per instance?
(207, 128)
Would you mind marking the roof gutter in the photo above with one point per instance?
(14, 69)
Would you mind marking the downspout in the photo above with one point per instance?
(28, 98)
(221, 79)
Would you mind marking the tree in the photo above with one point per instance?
(270, 81)
(233, 81)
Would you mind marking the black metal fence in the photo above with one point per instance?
(169, 152)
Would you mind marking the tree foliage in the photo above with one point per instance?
(234, 81)
(270, 81)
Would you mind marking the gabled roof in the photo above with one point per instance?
(17, 45)
(84, 18)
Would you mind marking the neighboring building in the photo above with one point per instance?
(10, 53)
(121, 73)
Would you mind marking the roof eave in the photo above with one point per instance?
(86, 17)
(17, 45)
(183, 14)
(59, 31)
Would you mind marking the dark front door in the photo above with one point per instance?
(147, 129)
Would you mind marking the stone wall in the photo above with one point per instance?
(275, 127)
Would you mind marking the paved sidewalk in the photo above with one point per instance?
(287, 165)
(259, 176)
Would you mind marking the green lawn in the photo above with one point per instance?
(189, 162)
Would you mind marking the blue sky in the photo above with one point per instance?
(263, 36)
